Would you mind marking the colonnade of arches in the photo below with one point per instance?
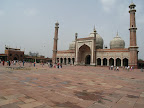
(66, 61)
(111, 61)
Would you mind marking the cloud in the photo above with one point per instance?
(107, 4)
(30, 12)
(1, 12)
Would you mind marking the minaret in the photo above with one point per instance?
(55, 43)
(94, 53)
(76, 59)
(133, 44)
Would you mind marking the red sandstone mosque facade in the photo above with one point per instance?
(89, 50)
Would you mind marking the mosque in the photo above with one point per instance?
(90, 50)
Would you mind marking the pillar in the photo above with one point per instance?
(66, 61)
(121, 62)
(107, 62)
(114, 62)
(101, 62)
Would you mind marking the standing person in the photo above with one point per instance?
(3, 62)
(34, 64)
(131, 68)
(9, 62)
(114, 68)
(117, 68)
(61, 65)
(23, 62)
(58, 65)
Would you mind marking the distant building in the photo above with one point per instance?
(12, 54)
(16, 54)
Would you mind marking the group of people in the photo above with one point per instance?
(128, 68)
(58, 65)
(115, 68)
(13, 62)
(8, 63)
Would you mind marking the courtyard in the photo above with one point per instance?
(70, 87)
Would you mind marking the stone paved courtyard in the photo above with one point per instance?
(70, 87)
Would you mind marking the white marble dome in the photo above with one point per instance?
(117, 42)
(72, 45)
(99, 40)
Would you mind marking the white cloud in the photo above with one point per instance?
(30, 12)
(1, 12)
(107, 4)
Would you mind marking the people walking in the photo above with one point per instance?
(34, 64)
(23, 62)
(9, 63)
(3, 62)
(117, 68)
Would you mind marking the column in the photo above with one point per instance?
(101, 62)
(121, 62)
(107, 62)
(62, 60)
(59, 60)
(114, 62)
(66, 61)
(71, 61)
(96, 62)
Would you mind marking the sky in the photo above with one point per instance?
(30, 24)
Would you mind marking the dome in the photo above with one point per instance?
(117, 42)
(99, 40)
(72, 45)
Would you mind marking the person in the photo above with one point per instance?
(141, 69)
(3, 62)
(114, 68)
(9, 63)
(117, 68)
(23, 62)
(128, 68)
(14, 62)
(58, 65)
(34, 64)
(61, 65)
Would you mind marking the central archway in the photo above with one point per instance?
(84, 55)
(16, 57)
(88, 60)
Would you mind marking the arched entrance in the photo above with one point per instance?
(98, 61)
(125, 62)
(65, 61)
(69, 61)
(16, 57)
(111, 61)
(87, 60)
(104, 62)
(73, 59)
(118, 62)
(83, 53)
(61, 60)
